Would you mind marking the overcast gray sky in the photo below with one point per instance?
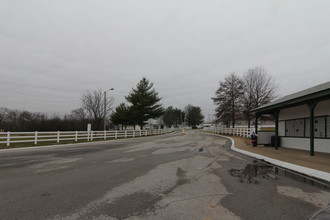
(53, 51)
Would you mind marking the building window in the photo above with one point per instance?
(301, 127)
(319, 127)
(294, 128)
(307, 127)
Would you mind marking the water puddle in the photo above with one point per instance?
(260, 169)
(253, 171)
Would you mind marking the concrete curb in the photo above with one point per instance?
(304, 170)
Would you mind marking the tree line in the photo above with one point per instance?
(23, 121)
(237, 96)
(143, 104)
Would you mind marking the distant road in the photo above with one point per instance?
(163, 177)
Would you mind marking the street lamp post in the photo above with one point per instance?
(105, 108)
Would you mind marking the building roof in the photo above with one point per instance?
(318, 92)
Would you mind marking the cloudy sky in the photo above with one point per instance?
(53, 51)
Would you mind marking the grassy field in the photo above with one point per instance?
(29, 138)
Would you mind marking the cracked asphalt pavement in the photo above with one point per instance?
(172, 176)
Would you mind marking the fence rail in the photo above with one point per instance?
(58, 136)
(242, 131)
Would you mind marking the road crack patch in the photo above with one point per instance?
(194, 197)
(127, 206)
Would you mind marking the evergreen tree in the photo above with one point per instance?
(194, 115)
(121, 115)
(145, 102)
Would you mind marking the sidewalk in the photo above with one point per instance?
(297, 160)
(321, 161)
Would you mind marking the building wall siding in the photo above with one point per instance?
(296, 143)
(298, 112)
(281, 128)
(301, 111)
(322, 145)
(322, 108)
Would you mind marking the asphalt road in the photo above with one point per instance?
(165, 177)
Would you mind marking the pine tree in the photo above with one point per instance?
(145, 102)
(121, 115)
(194, 115)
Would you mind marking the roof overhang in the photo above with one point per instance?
(316, 93)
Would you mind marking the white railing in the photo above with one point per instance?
(241, 131)
(36, 137)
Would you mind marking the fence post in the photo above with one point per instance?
(36, 137)
(58, 136)
(115, 134)
(146, 132)
(140, 132)
(8, 138)
(125, 133)
(91, 135)
(105, 134)
(76, 137)
(133, 133)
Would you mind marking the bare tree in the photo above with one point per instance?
(79, 114)
(260, 89)
(93, 103)
(228, 99)
(3, 115)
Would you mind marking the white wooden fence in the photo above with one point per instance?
(240, 131)
(58, 136)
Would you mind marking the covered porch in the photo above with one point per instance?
(302, 119)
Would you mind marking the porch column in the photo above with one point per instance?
(311, 106)
(276, 113)
(256, 123)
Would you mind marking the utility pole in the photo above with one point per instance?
(105, 109)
